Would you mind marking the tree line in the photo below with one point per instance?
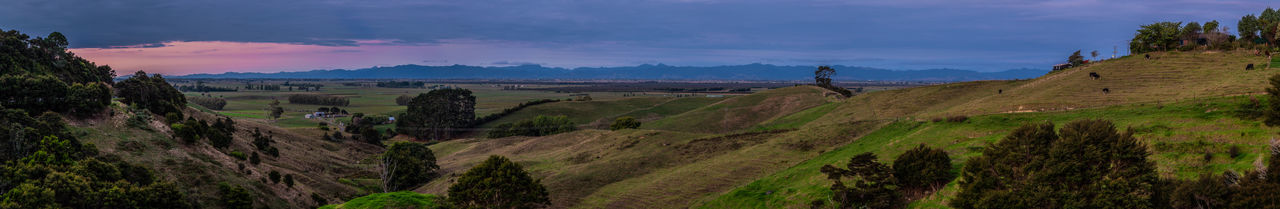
(203, 88)
(1254, 31)
(41, 75)
(318, 99)
(402, 84)
(209, 102)
(538, 126)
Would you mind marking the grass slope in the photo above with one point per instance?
(1199, 85)
(1177, 134)
(401, 199)
(315, 164)
(598, 114)
(743, 111)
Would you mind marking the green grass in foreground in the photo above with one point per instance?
(401, 199)
(1275, 62)
(1178, 135)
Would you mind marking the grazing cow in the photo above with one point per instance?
(1249, 67)
(1095, 75)
(1106, 90)
(1000, 91)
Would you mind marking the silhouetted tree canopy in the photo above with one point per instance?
(439, 114)
(151, 92)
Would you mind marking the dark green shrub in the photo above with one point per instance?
(923, 167)
(238, 155)
(1088, 165)
(235, 197)
(274, 177)
(873, 184)
(498, 183)
(626, 122)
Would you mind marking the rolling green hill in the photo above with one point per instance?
(763, 150)
(1179, 103)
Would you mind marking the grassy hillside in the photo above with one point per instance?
(401, 199)
(316, 165)
(598, 114)
(1167, 77)
(1179, 103)
(634, 168)
(1178, 134)
(743, 111)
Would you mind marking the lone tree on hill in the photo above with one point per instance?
(1076, 59)
(822, 76)
(498, 183)
(275, 109)
(439, 114)
(1095, 54)
(407, 165)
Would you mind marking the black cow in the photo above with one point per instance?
(1249, 67)
(1095, 75)
(1148, 56)
(1000, 91)
(1106, 90)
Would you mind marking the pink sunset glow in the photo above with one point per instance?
(189, 57)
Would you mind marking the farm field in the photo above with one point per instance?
(490, 98)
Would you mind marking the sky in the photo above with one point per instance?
(178, 37)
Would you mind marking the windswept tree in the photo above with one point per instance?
(1076, 59)
(822, 76)
(439, 114)
(407, 165)
(498, 183)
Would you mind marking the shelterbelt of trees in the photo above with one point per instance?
(1258, 32)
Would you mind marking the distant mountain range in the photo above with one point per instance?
(641, 72)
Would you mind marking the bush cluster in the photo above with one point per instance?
(318, 99)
